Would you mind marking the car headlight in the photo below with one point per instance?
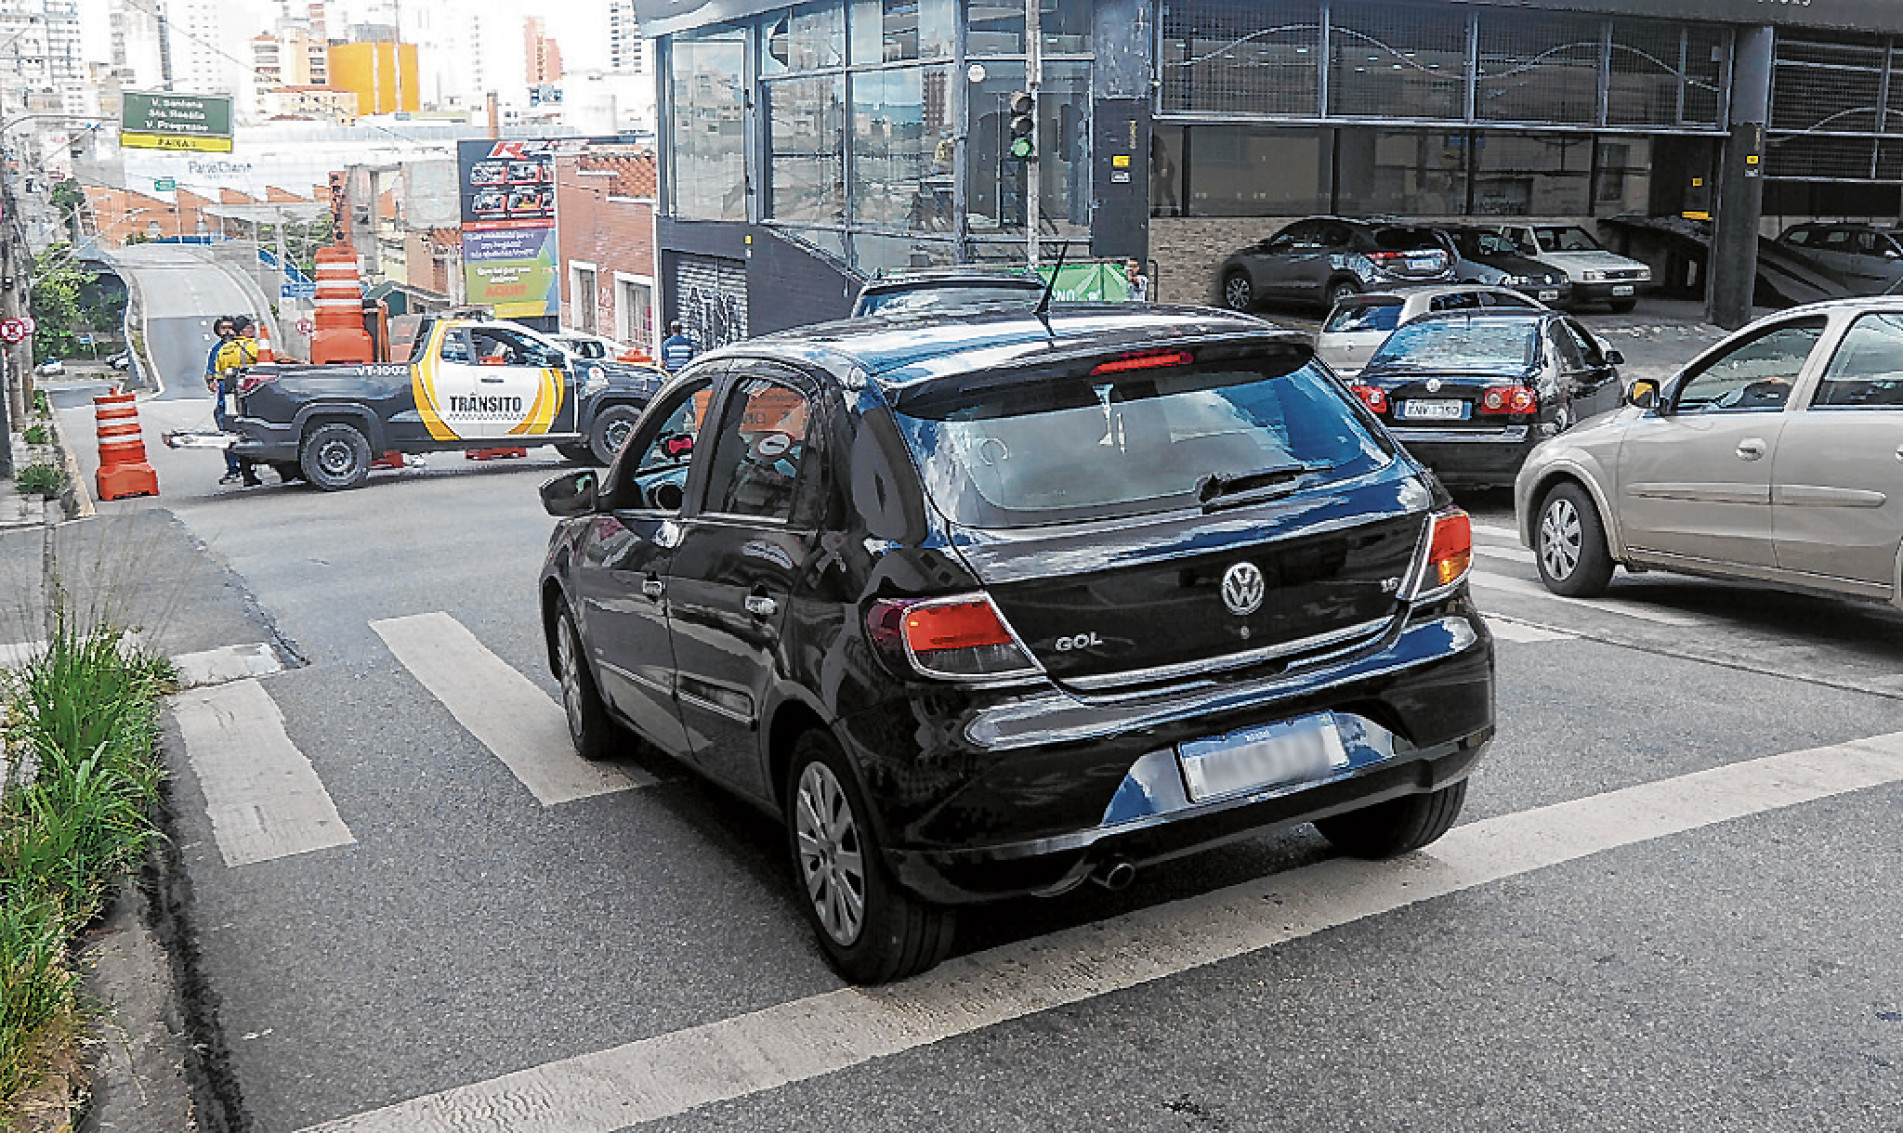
(1592, 276)
(1645, 275)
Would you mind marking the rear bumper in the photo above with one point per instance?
(1477, 457)
(264, 440)
(1415, 710)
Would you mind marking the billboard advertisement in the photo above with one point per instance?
(506, 188)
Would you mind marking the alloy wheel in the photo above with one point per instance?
(1561, 538)
(1237, 293)
(570, 655)
(831, 858)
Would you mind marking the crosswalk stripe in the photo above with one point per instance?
(1520, 633)
(513, 718)
(672, 1073)
(1509, 554)
(263, 796)
(1491, 581)
(230, 663)
(1497, 531)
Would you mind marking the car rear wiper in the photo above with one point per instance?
(1216, 491)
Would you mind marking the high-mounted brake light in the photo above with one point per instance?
(1450, 551)
(1508, 399)
(1145, 362)
(961, 638)
(1374, 397)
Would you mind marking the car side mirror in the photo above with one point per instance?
(1614, 358)
(570, 494)
(1643, 393)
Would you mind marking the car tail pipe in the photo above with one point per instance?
(1115, 873)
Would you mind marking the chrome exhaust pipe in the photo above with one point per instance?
(1115, 874)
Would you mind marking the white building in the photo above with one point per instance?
(137, 46)
(627, 52)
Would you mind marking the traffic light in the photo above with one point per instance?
(1021, 139)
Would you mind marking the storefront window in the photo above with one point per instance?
(902, 148)
(1166, 170)
(890, 31)
(707, 101)
(1623, 178)
(806, 128)
(874, 254)
(808, 38)
(1405, 172)
(998, 183)
(1532, 175)
(1250, 171)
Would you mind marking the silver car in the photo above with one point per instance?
(1359, 324)
(1776, 456)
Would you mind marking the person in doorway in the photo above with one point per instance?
(224, 329)
(677, 349)
(239, 351)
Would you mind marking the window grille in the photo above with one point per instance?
(1242, 58)
(1397, 62)
(1539, 67)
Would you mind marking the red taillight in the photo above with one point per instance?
(962, 637)
(1450, 549)
(1508, 399)
(1145, 362)
(252, 379)
(1374, 397)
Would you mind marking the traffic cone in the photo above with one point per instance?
(123, 469)
(265, 353)
(493, 453)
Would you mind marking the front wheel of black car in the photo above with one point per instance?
(335, 456)
(589, 726)
(1569, 544)
(1238, 294)
(611, 431)
(1395, 827)
(871, 931)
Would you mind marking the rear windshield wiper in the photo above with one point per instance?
(1216, 491)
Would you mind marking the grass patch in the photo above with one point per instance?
(85, 715)
(41, 406)
(45, 479)
(37, 435)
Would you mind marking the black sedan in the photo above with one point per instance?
(996, 604)
(1487, 256)
(1470, 393)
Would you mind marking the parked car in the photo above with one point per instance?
(1323, 259)
(600, 348)
(986, 604)
(121, 360)
(1359, 324)
(1487, 256)
(1861, 258)
(1776, 456)
(1598, 276)
(939, 288)
(51, 368)
(1470, 393)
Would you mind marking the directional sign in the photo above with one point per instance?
(293, 289)
(160, 120)
(164, 185)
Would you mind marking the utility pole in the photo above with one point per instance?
(1033, 78)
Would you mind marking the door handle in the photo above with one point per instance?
(1751, 448)
(761, 606)
(653, 587)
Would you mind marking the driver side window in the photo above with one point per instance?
(1754, 376)
(652, 472)
(760, 451)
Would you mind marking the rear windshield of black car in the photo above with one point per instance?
(1406, 240)
(1461, 344)
(1356, 318)
(929, 298)
(1066, 449)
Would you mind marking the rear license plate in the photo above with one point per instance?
(1622, 289)
(1272, 755)
(1549, 296)
(1433, 410)
(1423, 263)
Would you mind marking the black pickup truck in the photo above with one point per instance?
(467, 384)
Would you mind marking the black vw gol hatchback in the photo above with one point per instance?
(999, 604)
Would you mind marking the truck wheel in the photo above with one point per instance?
(577, 453)
(612, 428)
(336, 456)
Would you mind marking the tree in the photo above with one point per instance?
(69, 199)
(57, 281)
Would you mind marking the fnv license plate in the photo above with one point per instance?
(1622, 289)
(1549, 296)
(1272, 755)
(1423, 263)
(1433, 410)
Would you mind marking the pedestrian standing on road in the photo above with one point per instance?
(224, 329)
(240, 350)
(677, 349)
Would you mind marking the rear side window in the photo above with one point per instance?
(1055, 450)
(759, 452)
(1360, 318)
(1867, 371)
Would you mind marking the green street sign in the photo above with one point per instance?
(157, 120)
(164, 185)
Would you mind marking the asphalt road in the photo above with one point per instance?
(183, 292)
(1645, 921)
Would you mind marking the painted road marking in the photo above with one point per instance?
(1508, 533)
(1520, 633)
(231, 663)
(264, 798)
(1491, 581)
(1510, 554)
(672, 1073)
(513, 718)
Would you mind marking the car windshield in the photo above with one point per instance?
(1487, 244)
(1362, 318)
(1056, 450)
(1567, 238)
(1503, 345)
(927, 297)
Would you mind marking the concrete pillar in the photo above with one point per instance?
(1734, 237)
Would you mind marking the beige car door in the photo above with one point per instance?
(1837, 479)
(1695, 478)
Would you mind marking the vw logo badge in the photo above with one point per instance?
(1433, 385)
(1243, 588)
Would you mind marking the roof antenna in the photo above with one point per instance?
(1044, 305)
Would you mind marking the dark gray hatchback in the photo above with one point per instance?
(1000, 604)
